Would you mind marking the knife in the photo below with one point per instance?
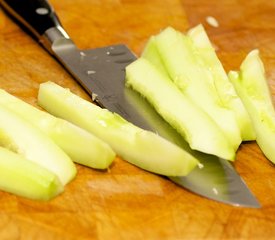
(101, 72)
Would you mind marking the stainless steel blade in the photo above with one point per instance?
(101, 72)
(226, 186)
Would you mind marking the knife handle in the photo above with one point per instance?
(39, 17)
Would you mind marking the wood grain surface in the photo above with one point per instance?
(127, 203)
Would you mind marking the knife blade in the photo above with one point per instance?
(101, 72)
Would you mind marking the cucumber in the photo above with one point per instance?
(224, 87)
(189, 74)
(82, 147)
(197, 128)
(151, 53)
(251, 85)
(22, 137)
(142, 148)
(27, 179)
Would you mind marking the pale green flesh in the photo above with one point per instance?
(224, 87)
(137, 146)
(22, 137)
(253, 90)
(151, 53)
(189, 74)
(80, 145)
(25, 178)
(198, 129)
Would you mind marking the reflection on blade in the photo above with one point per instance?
(214, 178)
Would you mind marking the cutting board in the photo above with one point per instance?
(126, 202)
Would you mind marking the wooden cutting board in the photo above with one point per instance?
(127, 202)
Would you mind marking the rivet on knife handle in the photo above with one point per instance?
(39, 18)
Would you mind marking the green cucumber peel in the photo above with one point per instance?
(224, 87)
(252, 87)
(22, 137)
(82, 146)
(27, 179)
(196, 127)
(142, 148)
(188, 73)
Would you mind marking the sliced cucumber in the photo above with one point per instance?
(151, 53)
(25, 139)
(224, 87)
(188, 73)
(141, 148)
(198, 129)
(25, 178)
(80, 145)
(252, 87)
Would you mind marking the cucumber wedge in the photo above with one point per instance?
(79, 144)
(198, 129)
(142, 148)
(224, 87)
(252, 87)
(27, 179)
(151, 53)
(189, 74)
(22, 137)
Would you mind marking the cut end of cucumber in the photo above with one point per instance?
(21, 136)
(200, 37)
(81, 146)
(251, 85)
(27, 179)
(252, 75)
(162, 157)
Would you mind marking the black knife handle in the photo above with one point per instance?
(38, 16)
